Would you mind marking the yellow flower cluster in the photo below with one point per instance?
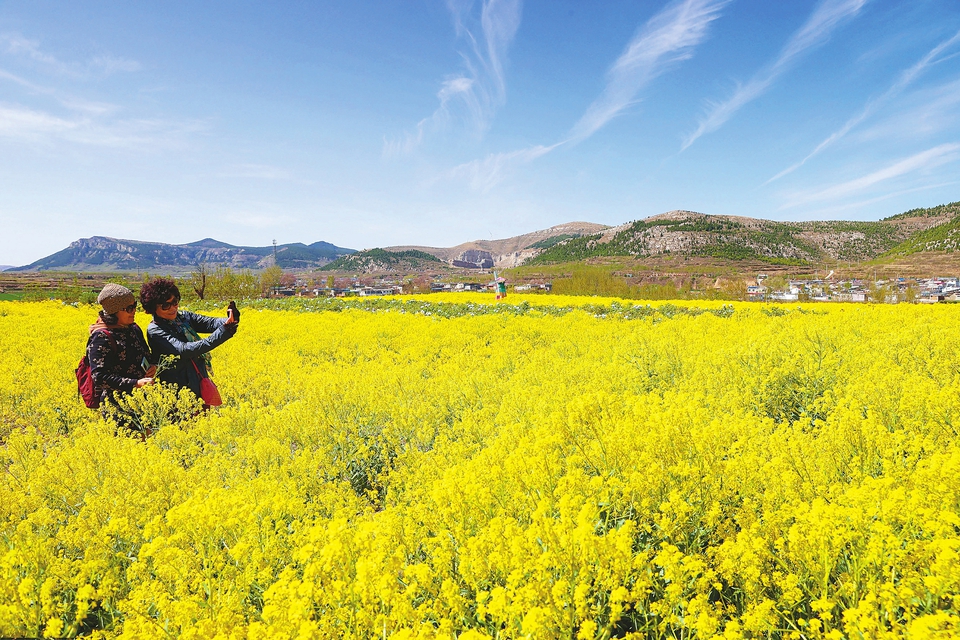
(779, 472)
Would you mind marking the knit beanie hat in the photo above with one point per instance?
(115, 297)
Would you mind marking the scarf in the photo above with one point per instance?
(102, 323)
(193, 336)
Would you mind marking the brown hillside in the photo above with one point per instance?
(509, 252)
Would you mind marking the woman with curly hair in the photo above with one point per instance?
(174, 332)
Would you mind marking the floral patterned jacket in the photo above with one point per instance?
(116, 358)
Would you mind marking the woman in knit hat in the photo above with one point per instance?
(117, 351)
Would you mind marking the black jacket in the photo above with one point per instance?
(116, 358)
(166, 338)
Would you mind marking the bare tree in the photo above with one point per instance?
(198, 279)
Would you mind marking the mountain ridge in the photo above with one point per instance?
(678, 232)
(102, 253)
(737, 237)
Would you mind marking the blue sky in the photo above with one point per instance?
(435, 122)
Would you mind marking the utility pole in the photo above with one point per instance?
(274, 251)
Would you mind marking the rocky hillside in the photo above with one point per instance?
(507, 252)
(940, 211)
(941, 237)
(110, 254)
(734, 237)
(381, 260)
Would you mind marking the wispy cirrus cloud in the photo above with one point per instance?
(929, 113)
(19, 122)
(47, 115)
(474, 95)
(860, 204)
(16, 44)
(929, 159)
(6, 75)
(71, 102)
(499, 21)
(38, 126)
(666, 39)
(904, 80)
(483, 175)
(818, 28)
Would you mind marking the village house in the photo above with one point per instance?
(379, 291)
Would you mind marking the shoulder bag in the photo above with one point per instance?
(208, 390)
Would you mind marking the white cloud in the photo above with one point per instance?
(828, 15)
(929, 113)
(873, 105)
(25, 124)
(70, 102)
(473, 96)
(6, 75)
(937, 156)
(483, 175)
(49, 115)
(17, 45)
(18, 122)
(850, 206)
(667, 38)
(88, 107)
(459, 90)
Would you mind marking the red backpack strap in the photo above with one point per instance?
(110, 337)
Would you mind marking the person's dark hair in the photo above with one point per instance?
(157, 291)
(109, 318)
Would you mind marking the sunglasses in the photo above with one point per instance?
(131, 309)
(173, 303)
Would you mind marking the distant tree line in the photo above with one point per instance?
(203, 283)
(590, 281)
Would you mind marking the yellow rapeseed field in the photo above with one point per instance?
(534, 470)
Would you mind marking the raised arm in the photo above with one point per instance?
(164, 342)
(202, 324)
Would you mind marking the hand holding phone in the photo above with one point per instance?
(233, 314)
